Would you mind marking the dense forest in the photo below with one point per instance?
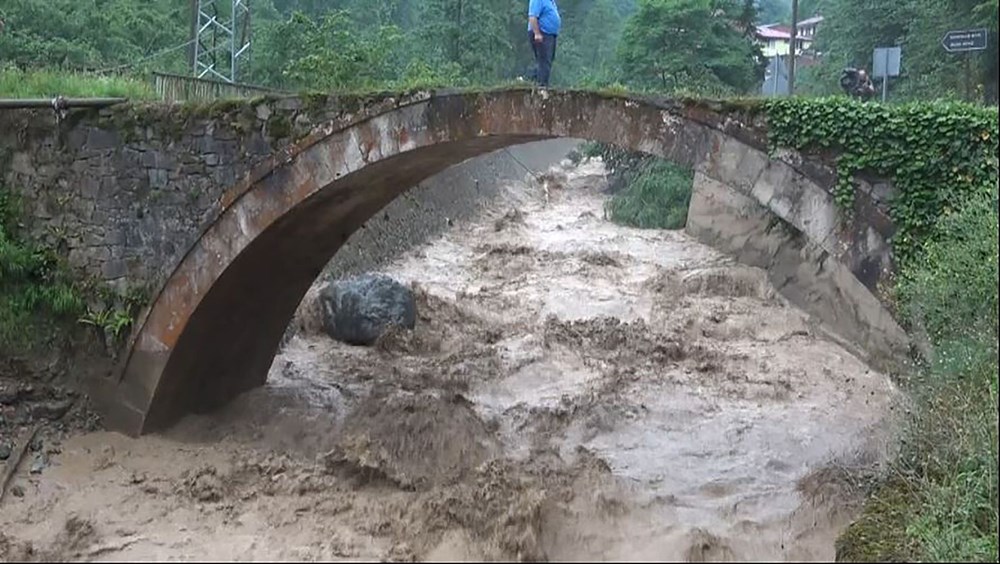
(703, 46)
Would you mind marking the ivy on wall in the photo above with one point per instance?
(937, 154)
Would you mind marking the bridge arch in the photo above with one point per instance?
(214, 327)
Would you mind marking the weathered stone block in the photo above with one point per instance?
(90, 187)
(158, 178)
(99, 139)
(21, 163)
(113, 269)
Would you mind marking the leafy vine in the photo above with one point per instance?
(937, 153)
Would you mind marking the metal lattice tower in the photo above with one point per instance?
(220, 39)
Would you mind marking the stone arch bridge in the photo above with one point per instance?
(229, 212)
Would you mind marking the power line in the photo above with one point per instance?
(534, 174)
(143, 60)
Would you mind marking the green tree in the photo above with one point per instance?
(701, 45)
(774, 11)
(473, 34)
(587, 49)
(328, 53)
(88, 34)
(810, 8)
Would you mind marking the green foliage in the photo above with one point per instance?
(879, 535)
(34, 288)
(656, 196)
(587, 51)
(852, 28)
(942, 503)
(39, 296)
(351, 45)
(937, 153)
(91, 34)
(477, 36)
(965, 248)
(692, 44)
(648, 192)
(776, 11)
(15, 83)
(329, 53)
(116, 319)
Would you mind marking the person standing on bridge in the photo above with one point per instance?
(543, 30)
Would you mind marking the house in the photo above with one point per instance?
(807, 28)
(775, 39)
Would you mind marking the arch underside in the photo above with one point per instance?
(215, 327)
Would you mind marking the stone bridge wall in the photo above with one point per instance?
(124, 192)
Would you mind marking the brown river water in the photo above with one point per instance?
(574, 390)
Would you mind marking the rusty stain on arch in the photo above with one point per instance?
(213, 329)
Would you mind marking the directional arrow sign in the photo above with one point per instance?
(964, 40)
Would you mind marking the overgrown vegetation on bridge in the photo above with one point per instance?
(938, 154)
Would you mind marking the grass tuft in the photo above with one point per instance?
(45, 83)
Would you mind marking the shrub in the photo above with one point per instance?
(656, 196)
(943, 500)
(34, 289)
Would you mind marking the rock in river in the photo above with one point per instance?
(359, 310)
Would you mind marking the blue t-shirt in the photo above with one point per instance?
(547, 14)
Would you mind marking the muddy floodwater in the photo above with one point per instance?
(574, 390)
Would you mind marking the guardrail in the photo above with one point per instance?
(58, 103)
(179, 88)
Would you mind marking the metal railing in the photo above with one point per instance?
(179, 88)
(58, 103)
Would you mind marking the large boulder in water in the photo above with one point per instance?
(359, 310)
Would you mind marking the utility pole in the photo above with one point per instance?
(791, 55)
(885, 79)
(192, 52)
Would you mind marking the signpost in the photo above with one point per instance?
(963, 41)
(886, 63)
(966, 41)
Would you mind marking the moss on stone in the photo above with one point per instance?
(314, 102)
(279, 126)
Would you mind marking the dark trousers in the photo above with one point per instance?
(545, 53)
